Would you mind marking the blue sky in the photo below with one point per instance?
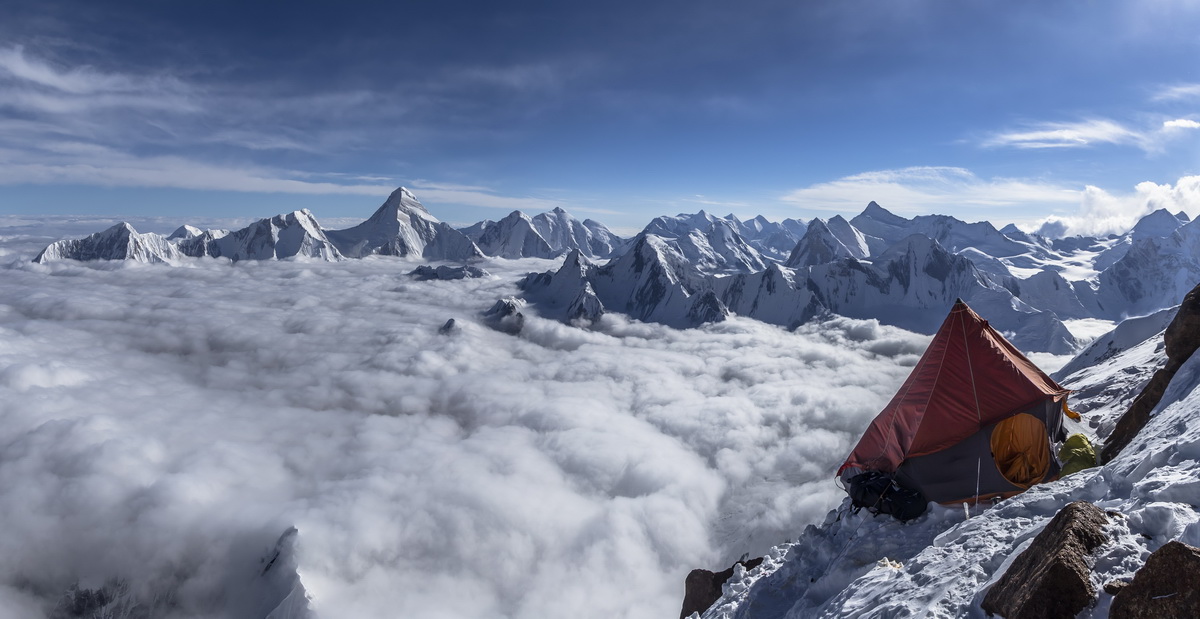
(1084, 111)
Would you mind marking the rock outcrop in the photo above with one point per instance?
(1051, 578)
(1167, 586)
(1182, 339)
(505, 316)
(704, 587)
(443, 272)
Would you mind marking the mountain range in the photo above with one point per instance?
(691, 269)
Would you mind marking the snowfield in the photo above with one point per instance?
(942, 564)
(164, 429)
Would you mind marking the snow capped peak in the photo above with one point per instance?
(818, 246)
(402, 204)
(1182, 216)
(185, 232)
(119, 242)
(551, 233)
(295, 234)
(878, 213)
(514, 236)
(880, 227)
(850, 236)
(1160, 223)
(402, 227)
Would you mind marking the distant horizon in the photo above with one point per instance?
(164, 224)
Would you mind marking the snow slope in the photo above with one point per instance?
(942, 564)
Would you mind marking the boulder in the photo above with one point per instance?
(704, 587)
(1051, 578)
(1167, 586)
(1182, 339)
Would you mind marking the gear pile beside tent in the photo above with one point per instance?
(974, 421)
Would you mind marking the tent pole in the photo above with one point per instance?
(975, 391)
(978, 468)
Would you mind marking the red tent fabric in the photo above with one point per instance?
(969, 378)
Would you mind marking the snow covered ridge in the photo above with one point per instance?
(690, 269)
(400, 227)
(943, 564)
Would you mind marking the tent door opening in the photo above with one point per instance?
(1021, 450)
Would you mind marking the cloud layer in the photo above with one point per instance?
(167, 425)
(1101, 212)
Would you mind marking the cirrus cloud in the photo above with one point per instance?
(917, 189)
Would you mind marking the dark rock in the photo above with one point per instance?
(443, 272)
(111, 600)
(447, 328)
(1051, 578)
(1167, 586)
(1182, 339)
(703, 587)
(1114, 587)
(707, 308)
(1138, 414)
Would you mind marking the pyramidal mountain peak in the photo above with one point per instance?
(402, 226)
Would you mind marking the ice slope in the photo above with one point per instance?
(403, 227)
(942, 564)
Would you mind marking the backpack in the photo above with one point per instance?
(880, 493)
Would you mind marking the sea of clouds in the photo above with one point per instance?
(163, 427)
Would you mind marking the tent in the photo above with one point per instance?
(975, 419)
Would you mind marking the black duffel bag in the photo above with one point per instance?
(880, 493)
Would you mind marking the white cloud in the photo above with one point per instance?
(918, 189)
(119, 170)
(1068, 135)
(700, 199)
(1102, 212)
(1181, 123)
(481, 196)
(34, 85)
(1178, 92)
(166, 425)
